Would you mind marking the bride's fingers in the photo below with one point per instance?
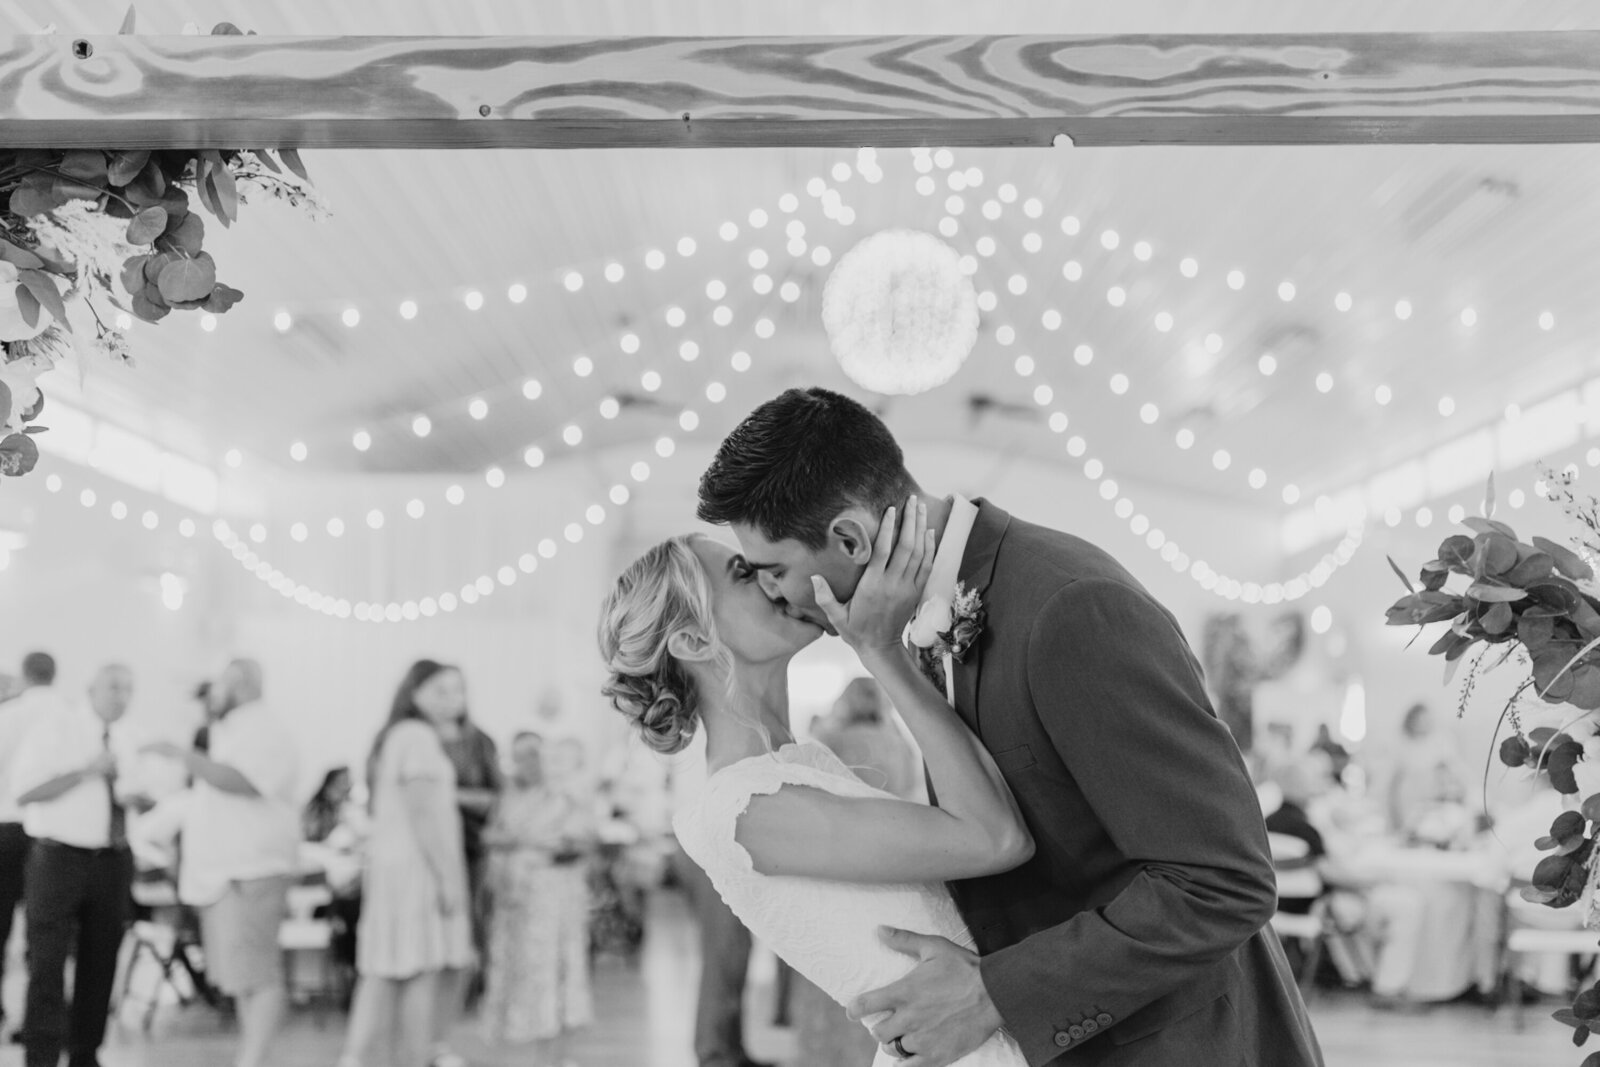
(883, 544)
(920, 541)
(926, 567)
(829, 604)
(907, 541)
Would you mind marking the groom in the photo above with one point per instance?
(1138, 932)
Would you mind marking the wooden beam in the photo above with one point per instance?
(509, 92)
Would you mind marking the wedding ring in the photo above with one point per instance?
(899, 1049)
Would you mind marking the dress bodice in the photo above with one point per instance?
(826, 930)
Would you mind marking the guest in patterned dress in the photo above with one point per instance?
(542, 836)
(415, 941)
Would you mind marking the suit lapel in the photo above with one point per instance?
(977, 572)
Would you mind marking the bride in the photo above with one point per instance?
(809, 857)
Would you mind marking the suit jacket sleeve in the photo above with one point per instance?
(1120, 694)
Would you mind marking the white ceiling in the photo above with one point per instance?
(1509, 232)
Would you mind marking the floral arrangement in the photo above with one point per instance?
(97, 227)
(1539, 602)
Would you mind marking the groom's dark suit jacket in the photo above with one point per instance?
(1138, 932)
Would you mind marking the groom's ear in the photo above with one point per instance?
(853, 536)
(689, 646)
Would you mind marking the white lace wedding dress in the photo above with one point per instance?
(826, 930)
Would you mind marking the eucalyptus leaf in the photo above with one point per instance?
(222, 298)
(28, 306)
(1531, 567)
(1400, 574)
(1457, 550)
(185, 234)
(1585, 688)
(1567, 824)
(1496, 554)
(291, 159)
(1498, 619)
(1514, 752)
(64, 189)
(147, 225)
(187, 279)
(28, 201)
(1482, 526)
(43, 288)
(18, 455)
(147, 308)
(87, 165)
(124, 167)
(20, 257)
(1495, 593)
(1567, 561)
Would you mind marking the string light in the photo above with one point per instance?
(665, 447)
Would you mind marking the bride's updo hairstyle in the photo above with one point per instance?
(664, 592)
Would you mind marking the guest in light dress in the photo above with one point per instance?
(415, 941)
(542, 837)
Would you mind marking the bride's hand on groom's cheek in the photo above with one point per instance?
(887, 594)
(940, 1011)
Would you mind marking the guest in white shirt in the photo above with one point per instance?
(79, 870)
(241, 839)
(18, 715)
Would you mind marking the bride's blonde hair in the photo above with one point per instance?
(664, 591)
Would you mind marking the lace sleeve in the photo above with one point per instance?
(707, 832)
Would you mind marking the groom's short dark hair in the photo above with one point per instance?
(797, 461)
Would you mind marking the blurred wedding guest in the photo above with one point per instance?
(329, 807)
(415, 940)
(861, 733)
(80, 871)
(542, 830)
(1301, 781)
(22, 710)
(333, 830)
(1428, 783)
(239, 849)
(478, 782)
(1338, 755)
(724, 940)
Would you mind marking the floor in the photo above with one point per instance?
(645, 1015)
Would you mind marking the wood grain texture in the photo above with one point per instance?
(489, 92)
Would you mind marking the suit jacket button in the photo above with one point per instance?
(1090, 1026)
(1063, 1039)
(1104, 1020)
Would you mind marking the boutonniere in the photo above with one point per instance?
(949, 627)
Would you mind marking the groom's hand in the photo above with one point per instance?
(940, 1011)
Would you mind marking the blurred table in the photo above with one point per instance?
(1389, 861)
